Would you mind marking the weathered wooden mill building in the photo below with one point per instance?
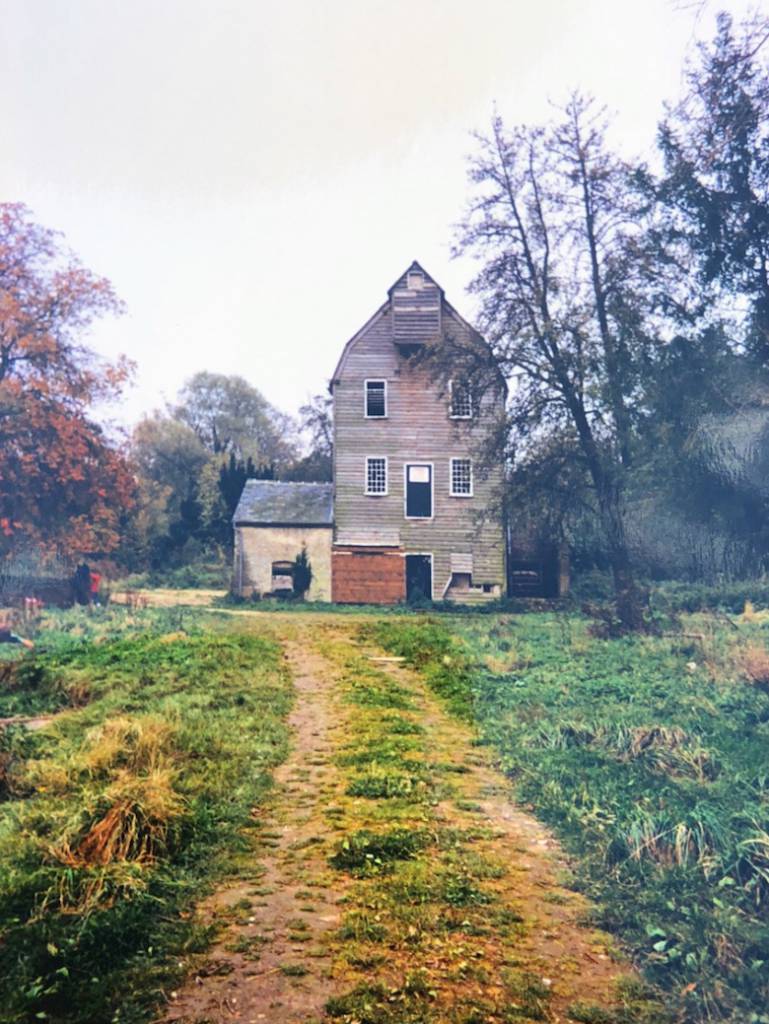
(410, 513)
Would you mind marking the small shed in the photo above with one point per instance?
(274, 520)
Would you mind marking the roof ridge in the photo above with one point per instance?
(298, 483)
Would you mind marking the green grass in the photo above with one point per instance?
(121, 813)
(650, 759)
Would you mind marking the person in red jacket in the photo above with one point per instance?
(95, 578)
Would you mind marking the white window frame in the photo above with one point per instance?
(366, 382)
(376, 494)
(418, 519)
(460, 494)
(464, 415)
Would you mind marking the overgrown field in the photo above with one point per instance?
(650, 759)
(119, 813)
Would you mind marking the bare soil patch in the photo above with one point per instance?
(272, 962)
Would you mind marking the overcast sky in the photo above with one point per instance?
(252, 176)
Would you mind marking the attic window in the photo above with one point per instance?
(376, 399)
(415, 281)
(461, 401)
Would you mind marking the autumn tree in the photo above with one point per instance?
(63, 485)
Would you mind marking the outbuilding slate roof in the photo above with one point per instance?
(278, 503)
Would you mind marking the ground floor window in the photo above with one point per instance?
(376, 475)
(282, 576)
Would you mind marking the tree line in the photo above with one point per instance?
(71, 490)
(627, 306)
(625, 303)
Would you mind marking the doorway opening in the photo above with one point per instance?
(419, 578)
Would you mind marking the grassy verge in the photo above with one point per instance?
(650, 758)
(433, 913)
(120, 812)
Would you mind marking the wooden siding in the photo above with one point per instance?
(417, 428)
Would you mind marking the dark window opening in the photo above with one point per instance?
(419, 492)
(282, 575)
(461, 401)
(376, 398)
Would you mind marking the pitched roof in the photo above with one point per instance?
(275, 503)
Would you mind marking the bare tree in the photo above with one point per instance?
(555, 226)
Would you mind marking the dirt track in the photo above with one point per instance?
(281, 957)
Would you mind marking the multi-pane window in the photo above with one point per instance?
(461, 401)
(376, 475)
(461, 477)
(376, 398)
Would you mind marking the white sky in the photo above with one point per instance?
(253, 176)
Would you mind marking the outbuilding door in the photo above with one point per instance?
(419, 577)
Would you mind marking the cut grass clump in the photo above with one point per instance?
(399, 725)
(527, 996)
(129, 807)
(589, 1013)
(376, 1004)
(370, 691)
(383, 784)
(294, 970)
(362, 926)
(366, 852)
(448, 885)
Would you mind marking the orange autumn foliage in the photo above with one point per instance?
(64, 485)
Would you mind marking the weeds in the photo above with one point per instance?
(649, 757)
(122, 812)
(366, 852)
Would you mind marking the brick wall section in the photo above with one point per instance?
(367, 576)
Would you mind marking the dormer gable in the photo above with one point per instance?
(415, 307)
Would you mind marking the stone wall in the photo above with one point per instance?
(257, 547)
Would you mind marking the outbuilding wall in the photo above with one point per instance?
(257, 547)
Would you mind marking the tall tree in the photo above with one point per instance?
(555, 227)
(229, 415)
(315, 422)
(63, 485)
(715, 187)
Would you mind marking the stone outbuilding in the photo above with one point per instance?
(273, 522)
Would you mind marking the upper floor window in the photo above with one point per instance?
(376, 399)
(376, 475)
(461, 478)
(460, 401)
(419, 491)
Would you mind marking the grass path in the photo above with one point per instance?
(400, 884)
